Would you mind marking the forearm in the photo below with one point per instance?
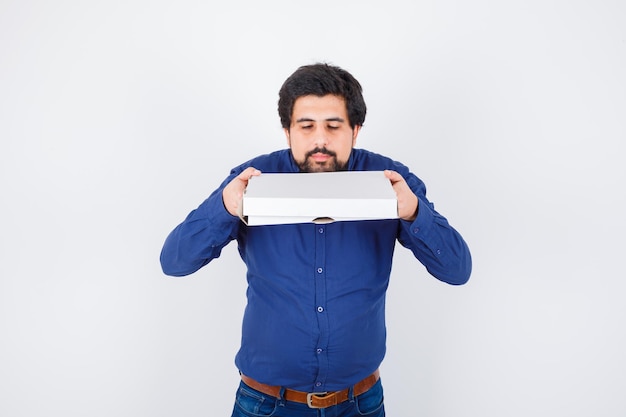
(437, 245)
(199, 238)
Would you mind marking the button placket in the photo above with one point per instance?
(320, 276)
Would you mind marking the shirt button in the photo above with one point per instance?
(438, 251)
(320, 270)
(319, 350)
(320, 230)
(318, 384)
(320, 309)
(416, 230)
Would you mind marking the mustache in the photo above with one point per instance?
(322, 151)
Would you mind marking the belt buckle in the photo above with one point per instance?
(309, 398)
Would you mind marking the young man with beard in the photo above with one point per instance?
(313, 332)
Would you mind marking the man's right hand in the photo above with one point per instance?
(232, 195)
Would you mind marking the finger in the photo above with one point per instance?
(248, 173)
(393, 176)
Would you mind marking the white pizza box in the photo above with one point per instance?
(320, 197)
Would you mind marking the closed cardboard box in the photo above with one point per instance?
(319, 197)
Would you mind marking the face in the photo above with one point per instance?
(320, 136)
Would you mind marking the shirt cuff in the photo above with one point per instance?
(423, 223)
(213, 209)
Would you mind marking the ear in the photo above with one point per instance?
(355, 133)
(286, 130)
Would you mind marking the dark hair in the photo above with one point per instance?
(320, 80)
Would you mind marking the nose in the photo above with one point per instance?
(320, 138)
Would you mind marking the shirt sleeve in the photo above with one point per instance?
(201, 237)
(436, 244)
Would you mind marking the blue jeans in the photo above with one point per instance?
(252, 403)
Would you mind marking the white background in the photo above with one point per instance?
(117, 118)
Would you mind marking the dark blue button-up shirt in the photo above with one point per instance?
(315, 317)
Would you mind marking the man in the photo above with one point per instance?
(313, 331)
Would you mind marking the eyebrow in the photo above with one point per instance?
(330, 119)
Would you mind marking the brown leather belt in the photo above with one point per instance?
(313, 399)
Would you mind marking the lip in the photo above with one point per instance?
(320, 157)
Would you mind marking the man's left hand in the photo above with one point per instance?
(407, 200)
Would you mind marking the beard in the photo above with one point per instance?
(309, 165)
